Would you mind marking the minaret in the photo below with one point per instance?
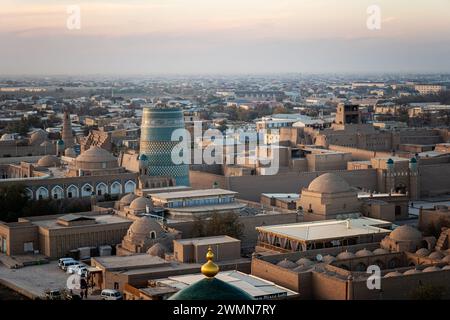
(66, 133)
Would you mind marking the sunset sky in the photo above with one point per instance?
(223, 36)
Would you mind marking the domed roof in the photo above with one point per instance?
(49, 161)
(70, 152)
(423, 252)
(436, 255)
(411, 271)
(345, 255)
(157, 250)
(392, 274)
(390, 161)
(406, 233)
(140, 229)
(446, 259)
(127, 199)
(413, 160)
(60, 142)
(328, 259)
(288, 264)
(329, 183)
(211, 288)
(380, 251)
(431, 269)
(304, 262)
(96, 154)
(38, 137)
(363, 253)
(141, 203)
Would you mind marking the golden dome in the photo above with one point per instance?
(210, 269)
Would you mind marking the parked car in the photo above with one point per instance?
(82, 271)
(61, 260)
(53, 294)
(74, 268)
(68, 263)
(110, 294)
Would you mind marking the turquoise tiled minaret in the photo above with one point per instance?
(156, 132)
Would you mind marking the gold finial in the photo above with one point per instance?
(210, 269)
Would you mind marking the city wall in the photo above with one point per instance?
(251, 187)
(434, 179)
(360, 154)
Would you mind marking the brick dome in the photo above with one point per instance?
(329, 183)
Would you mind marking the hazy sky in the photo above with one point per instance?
(223, 36)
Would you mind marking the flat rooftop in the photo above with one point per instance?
(130, 262)
(99, 220)
(191, 194)
(364, 195)
(257, 287)
(328, 229)
(207, 240)
(282, 196)
(207, 208)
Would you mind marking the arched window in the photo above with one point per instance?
(394, 263)
(361, 267)
(57, 192)
(86, 190)
(116, 188)
(152, 235)
(102, 189)
(41, 193)
(72, 192)
(130, 186)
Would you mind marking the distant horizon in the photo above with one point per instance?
(230, 74)
(129, 37)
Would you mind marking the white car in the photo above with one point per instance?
(110, 294)
(74, 268)
(62, 260)
(82, 271)
(67, 263)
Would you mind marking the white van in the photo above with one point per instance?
(68, 263)
(61, 260)
(110, 294)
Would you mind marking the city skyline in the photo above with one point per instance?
(175, 37)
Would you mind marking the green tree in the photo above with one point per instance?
(218, 224)
(13, 199)
(224, 224)
(198, 228)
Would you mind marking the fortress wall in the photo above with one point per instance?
(251, 187)
(434, 179)
(360, 154)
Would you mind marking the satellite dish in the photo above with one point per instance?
(319, 257)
